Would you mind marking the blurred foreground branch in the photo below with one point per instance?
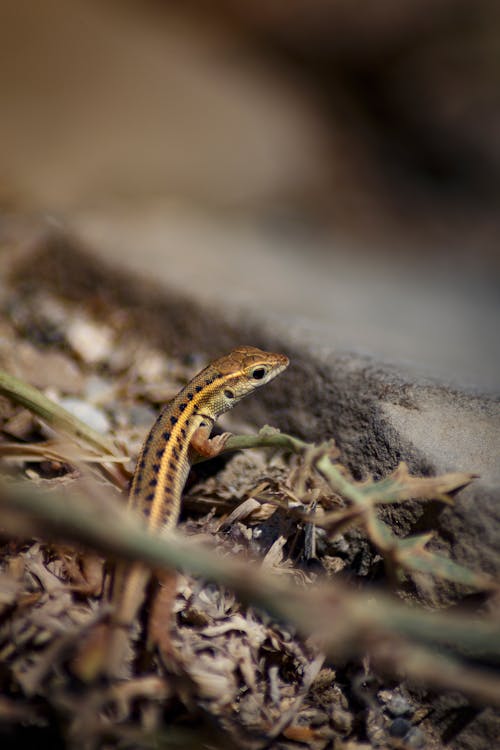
(343, 623)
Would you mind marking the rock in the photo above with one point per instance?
(99, 390)
(399, 727)
(140, 415)
(90, 340)
(91, 415)
(21, 425)
(399, 706)
(415, 739)
(41, 368)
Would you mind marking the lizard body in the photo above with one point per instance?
(181, 432)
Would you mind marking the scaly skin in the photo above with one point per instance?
(181, 432)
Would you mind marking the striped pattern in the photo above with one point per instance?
(163, 465)
(165, 460)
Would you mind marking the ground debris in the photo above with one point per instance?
(235, 678)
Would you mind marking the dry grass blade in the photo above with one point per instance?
(54, 415)
(54, 450)
(401, 485)
(407, 554)
(411, 554)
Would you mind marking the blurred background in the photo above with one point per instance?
(331, 168)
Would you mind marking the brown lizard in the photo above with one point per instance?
(181, 432)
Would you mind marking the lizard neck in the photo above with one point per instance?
(164, 461)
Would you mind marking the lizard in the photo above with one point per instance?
(179, 435)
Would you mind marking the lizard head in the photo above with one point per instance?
(244, 370)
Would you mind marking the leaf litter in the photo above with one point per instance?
(237, 678)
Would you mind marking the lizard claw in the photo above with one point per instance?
(218, 442)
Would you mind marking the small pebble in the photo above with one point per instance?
(21, 425)
(91, 341)
(399, 706)
(318, 718)
(91, 415)
(140, 415)
(342, 720)
(399, 728)
(151, 366)
(415, 738)
(339, 545)
(98, 389)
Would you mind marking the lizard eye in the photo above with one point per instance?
(228, 393)
(258, 373)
